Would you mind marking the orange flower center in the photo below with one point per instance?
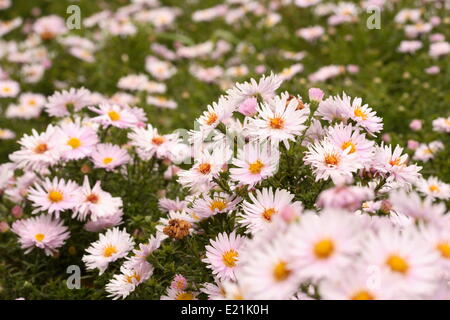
(324, 248)
(185, 296)
(109, 251)
(204, 168)
(276, 123)
(113, 115)
(41, 148)
(395, 162)
(397, 264)
(55, 196)
(212, 117)
(350, 144)
(93, 198)
(362, 295)
(360, 114)
(281, 272)
(444, 249)
(158, 140)
(268, 213)
(217, 205)
(332, 159)
(134, 276)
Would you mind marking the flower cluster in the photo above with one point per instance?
(306, 190)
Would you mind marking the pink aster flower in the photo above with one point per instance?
(441, 124)
(167, 205)
(415, 125)
(254, 163)
(54, 196)
(412, 205)
(130, 277)
(42, 232)
(323, 243)
(80, 139)
(364, 116)
(405, 262)
(62, 103)
(9, 89)
(207, 206)
(149, 143)
(109, 156)
(394, 165)
(334, 108)
(264, 88)
(316, 94)
(144, 250)
(49, 27)
(114, 115)
(222, 256)
(179, 282)
(112, 245)
(329, 161)
(104, 222)
(344, 197)
(95, 202)
(349, 137)
(259, 213)
(278, 120)
(248, 106)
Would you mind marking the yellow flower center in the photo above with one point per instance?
(39, 237)
(360, 114)
(74, 143)
(32, 102)
(331, 159)
(362, 295)
(107, 160)
(350, 144)
(109, 251)
(55, 196)
(276, 123)
(397, 264)
(113, 115)
(185, 296)
(218, 204)
(134, 276)
(229, 258)
(434, 188)
(256, 167)
(324, 248)
(281, 272)
(268, 213)
(444, 249)
(204, 168)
